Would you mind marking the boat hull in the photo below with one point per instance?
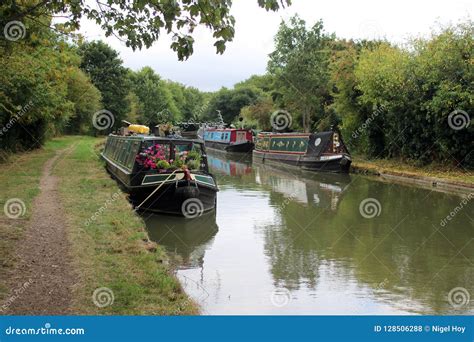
(233, 148)
(335, 164)
(176, 196)
(183, 198)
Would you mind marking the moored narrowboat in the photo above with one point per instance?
(168, 175)
(229, 139)
(323, 151)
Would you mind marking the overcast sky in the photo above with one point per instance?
(255, 28)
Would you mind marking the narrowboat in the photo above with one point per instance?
(189, 130)
(322, 151)
(229, 139)
(167, 175)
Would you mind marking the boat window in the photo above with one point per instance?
(190, 153)
(125, 150)
(132, 154)
(118, 147)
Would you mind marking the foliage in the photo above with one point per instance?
(258, 114)
(300, 66)
(156, 101)
(107, 73)
(35, 97)
(229, 102)
(140, 23)
(86, 99)
(419, 87)
(157, 157)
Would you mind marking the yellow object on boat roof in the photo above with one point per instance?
(139, 129)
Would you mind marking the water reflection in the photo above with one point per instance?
(186, 240)
(280, 229)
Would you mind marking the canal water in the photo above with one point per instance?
(288, 242)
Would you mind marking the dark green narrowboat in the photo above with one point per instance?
(168, 175)
(323, 151)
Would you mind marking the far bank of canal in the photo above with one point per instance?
(286, 242)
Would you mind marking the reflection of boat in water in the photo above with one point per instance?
(323, 190)
(229, 165)
(185, 239)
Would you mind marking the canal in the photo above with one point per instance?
(287, 242)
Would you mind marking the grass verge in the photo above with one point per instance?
(109, 242)
(394, 167)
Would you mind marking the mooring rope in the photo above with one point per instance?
(157, 188)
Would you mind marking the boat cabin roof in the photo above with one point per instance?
(226, 129)
(142, 137)
(298, 134)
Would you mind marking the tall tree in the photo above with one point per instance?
(229, 102)
(106, 71)
(157, 104)
(86, 99)
(300, 65)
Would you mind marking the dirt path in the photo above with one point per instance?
(43, 278)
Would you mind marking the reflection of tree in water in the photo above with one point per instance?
(298, 200)
(399, 254)
(291, 263)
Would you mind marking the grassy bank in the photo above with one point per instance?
(398, 168)
(109, 243)
(20, 176)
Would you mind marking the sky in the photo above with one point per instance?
(255, 28)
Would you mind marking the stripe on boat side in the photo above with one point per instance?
(204, 179)
(157, 179)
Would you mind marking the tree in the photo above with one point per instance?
(104, 67)
(426, 90)
(140, 23)
(194, 104)
(156, 100)
(86, 99)
(33, 89)
(360, 121)
(300, 65)
(258, 115)
(229, 102)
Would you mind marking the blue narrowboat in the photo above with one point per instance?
(229, 139)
